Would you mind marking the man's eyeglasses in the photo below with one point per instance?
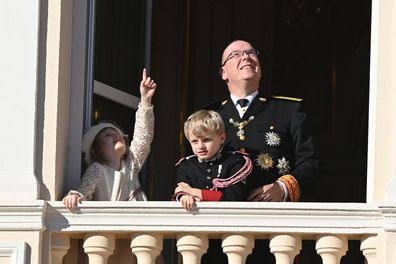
(239, 53)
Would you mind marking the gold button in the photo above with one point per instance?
(242, 149)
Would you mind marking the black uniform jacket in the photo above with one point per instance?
(200, 174)
(276, 136)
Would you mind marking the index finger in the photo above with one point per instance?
(144, 74)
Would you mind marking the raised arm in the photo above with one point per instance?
(144, 124)
(147, 89)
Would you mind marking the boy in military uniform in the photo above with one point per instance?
(212, 174)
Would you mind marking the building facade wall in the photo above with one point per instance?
(382, 117)
(35, 87)
(19, 30)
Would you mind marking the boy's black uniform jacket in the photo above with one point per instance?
(200, 174)
(279, 117)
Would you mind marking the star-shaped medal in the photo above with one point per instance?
(283, 166)
(265, 161)
(272, 139)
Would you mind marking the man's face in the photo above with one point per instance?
(240, 63)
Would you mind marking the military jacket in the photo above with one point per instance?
(275, 133)
(201, 174)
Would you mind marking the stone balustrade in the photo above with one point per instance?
(147, 247)
(239, 224)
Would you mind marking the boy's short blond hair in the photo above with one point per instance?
(203, 121)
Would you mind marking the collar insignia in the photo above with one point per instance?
(240, 126)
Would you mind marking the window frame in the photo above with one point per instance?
(83, 86)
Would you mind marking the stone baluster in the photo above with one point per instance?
(285, 248)
(368, 246)
(192, 247)
(331, 248)
(99, 247)
(146, 247)
(60, 244)
(237, 247)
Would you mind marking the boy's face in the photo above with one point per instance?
(206, 145)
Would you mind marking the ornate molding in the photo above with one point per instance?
(22, 215)
(14, 252)
(389, 215)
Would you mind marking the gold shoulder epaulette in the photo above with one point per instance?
(289, 98)
(263, 99)
(224, 102)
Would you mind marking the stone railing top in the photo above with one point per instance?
(215, 218)
(261, 219)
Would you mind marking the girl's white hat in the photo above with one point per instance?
(90, 136)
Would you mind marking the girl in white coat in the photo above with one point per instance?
(113, 169)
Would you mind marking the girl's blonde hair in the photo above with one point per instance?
(203, 121)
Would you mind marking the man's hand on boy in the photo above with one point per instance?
(268, 193)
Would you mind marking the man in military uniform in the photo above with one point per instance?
(272, 130)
